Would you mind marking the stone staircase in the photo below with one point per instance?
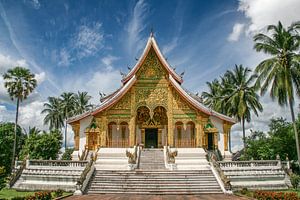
(50, 175)
(265, 175)
(152, 159)
(153, 178)
(191, 159)
(112, 159)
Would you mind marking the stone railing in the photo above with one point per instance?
(169, 157)
(222, 179)
(250, 163)
(85, 177)
(56, 163)
(16, 175)
(133, 157)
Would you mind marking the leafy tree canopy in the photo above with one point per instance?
(42, 145)
(280, 139)
(7, 143)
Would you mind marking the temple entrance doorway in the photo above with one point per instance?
(151, 137)
(210, 141)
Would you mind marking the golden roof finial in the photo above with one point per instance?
(151, 32)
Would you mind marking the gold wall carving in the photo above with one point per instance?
(152, 97)
(151, 68)
(124, 103)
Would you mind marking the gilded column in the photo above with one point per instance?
(170, 118)
(102, 124)
(199, 132)
(76, 130)
(132, 128)
(143, 136)
(204, 142)
(159, 140)
(226, 130)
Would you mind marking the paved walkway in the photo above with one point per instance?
(156, 197)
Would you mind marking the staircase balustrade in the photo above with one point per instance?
(16, 175)
(85, 177)
(169, 156)
(133, 157)
(225, 184)
(57, 163)
(250, 163)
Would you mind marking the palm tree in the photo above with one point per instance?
(19, 82)
(241, 97)
(68, 109)
(213, 98)
(54, 115)
(281, 72)
(82, 102)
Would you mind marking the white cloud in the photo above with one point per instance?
(265, 12)
(170, 46)
(5, 115)
(88, 40)
(40, 77)
(29, 115)
(136, 25)
(6, 62)
(106, 80)
(65, 58)
(108, 60)
(236, 32)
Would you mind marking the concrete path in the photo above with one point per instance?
(156, 197)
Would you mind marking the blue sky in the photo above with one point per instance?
(83, 45)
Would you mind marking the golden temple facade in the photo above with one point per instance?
(151, 109)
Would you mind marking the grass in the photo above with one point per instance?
(6, 193)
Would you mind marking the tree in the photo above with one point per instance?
(68, 107)
(280, 73)
(54, 113)
(278, 140)
(214, 97)
(241, 97)
(19, 82)
(42, 145)
(7, 143)
(82, 102)
(235, 95)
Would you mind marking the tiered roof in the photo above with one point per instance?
(129, 80)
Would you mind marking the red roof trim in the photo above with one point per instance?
(152, 43)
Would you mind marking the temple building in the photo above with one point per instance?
(152, 109)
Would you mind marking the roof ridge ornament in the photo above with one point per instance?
(151, 32)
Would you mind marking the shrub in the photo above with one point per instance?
(268, 195)
(40, 196)
(2, 177)
(244, 191)
(295, 179)
(18, 198)
(67, 154)
(58, 193)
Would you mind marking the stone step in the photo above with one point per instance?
(165, 192)
(156, 184)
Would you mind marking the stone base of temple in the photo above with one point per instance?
(150, 172)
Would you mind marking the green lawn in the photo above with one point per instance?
(11, 193)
